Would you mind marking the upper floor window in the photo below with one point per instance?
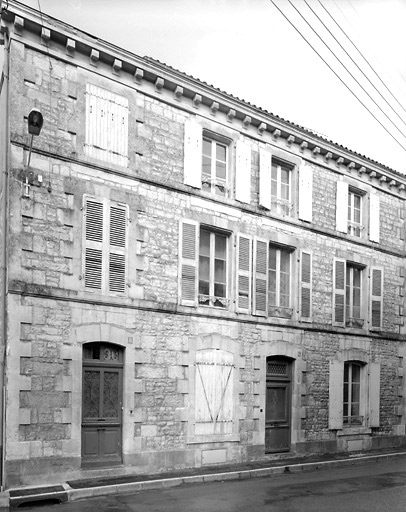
(212, 268)
(203, 273)
(357, 212)
(354, 213)
(281, 178)
(105, 245)
(353, 304)
(214, 166)
(279, 272)
(106, 135)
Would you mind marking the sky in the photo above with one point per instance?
(252, 50)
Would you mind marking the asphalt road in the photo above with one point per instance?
(370, 487)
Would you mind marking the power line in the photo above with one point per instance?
(355, 46)
(341, 46)
(347, 70)
(336, 74)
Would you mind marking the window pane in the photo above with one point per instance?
(221, 170)
(204, 287)
(219, 290)
(272, 258)
(357, 277)
(356, 373)
(220, 271)
(221, 247)
(204, 268)
(204, 248)
(207, 148)
(206, 166)
(285, 261)
(220, 153)
(346, 366)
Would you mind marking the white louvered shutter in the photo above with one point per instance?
(193, 154)
(244, 273)
(94, 232)
(376, 294)
(306, 286)
(339, 292)
(374, 393)
(265, 173)
(117, 248)
(260, 273)
(243, 172)
(342, 207)
(106, 125)
(188, 258)
(374, 217)
(214, 392)
(305, 193)
(336, 390)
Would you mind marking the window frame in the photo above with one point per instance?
(352, 225)
(351, 322)
(279, 250)
(362, 398)
(277, 203)
(216, 139)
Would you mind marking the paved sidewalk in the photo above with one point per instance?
(86, 488)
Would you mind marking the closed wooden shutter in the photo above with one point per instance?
(376, 294)
(106, 125)
(117, 249)
(188, 257)
(244, 273)
(374, 393)
(336, 383)
(265, 173)
(305, 193)
(260, 272)
(374, 217)
(243, 172)
(342, 207)
(214, 392)
(339, 292)
(94, 231)
(193, 154)
(306, 286)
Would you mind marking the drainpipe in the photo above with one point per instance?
(4, 260)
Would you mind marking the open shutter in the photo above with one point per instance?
(260, 273)
(94, 228)
(374, 393)
(244, 273)
(342, 207)
(193, 154)
(305, 193)
(117, 248)
(376, 295)
(306, 286)
(374, 217)
(243, 172)
(214, 392)
(188, 254)
(339, 292)
(265, 173)
(336, 390)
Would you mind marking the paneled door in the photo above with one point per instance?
(102, 404)
(278, 405)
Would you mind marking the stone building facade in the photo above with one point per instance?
(188, 279)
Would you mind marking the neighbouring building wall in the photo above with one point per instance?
(199, 268)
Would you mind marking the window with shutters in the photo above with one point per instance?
(281, 187)
(354, 213)
(279, 280)
(357, 211)
(204, 265)
(349, 288)
(214, 166)
(354, 393)
(105, 245)
(352, 406)
(106, 135)
(212, 289)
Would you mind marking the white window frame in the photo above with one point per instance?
(352, 225)
(363, 395)
(213, 181)
(350, 319)
(277, 202)
(279, 250)
(211, 297)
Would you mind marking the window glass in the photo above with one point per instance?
(279, 277)
(352, 394)
(213, 269)
(214, 167)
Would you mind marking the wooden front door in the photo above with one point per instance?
(278, 405)
(102, 404)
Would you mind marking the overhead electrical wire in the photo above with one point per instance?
(347, 70)
(360, 53)
(337, 75)
(349, 56)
